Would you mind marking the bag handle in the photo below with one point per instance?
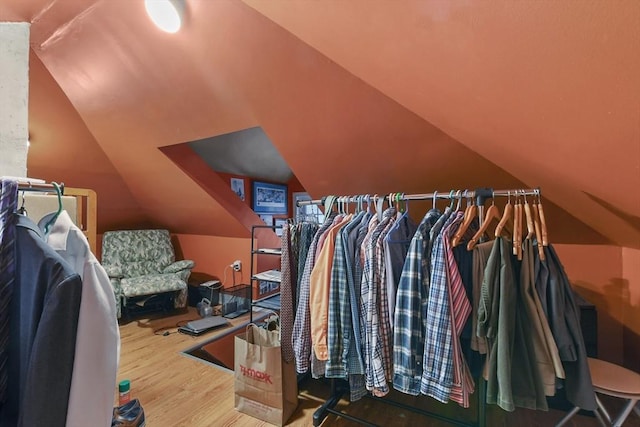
(251, 340)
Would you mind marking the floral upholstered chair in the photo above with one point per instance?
(141, 263)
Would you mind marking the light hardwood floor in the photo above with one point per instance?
(177, 390)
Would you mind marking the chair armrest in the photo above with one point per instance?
(114, 271)
(185, 264)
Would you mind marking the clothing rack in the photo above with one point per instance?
(480, 195)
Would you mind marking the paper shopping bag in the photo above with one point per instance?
(266, 386)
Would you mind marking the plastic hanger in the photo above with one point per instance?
(451, 196)
(22, 210)
(507, 218)
(493, 214)
(52, 220)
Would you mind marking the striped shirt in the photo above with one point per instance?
(460, 310)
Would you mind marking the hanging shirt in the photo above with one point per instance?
(340, 323)
(287, 292)
(437, 374)
(409, 316)
(396, 246)
(460, 308)
(97, 351)
(376, 376)
(307, 232)
(301, 336)
(319, 291)
(355, 349)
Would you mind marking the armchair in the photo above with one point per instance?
(141, 263)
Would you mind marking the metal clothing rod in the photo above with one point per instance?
(483, 192)
(39, 186)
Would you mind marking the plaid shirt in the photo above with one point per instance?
(437, 374)
(301, 336)
(355, 358)
(409, 320)
(340, 326)
(382, 307)
(375, 375)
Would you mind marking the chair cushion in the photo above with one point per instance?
(137, 252)
(151, 284)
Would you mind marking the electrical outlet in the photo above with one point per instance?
(237, 265)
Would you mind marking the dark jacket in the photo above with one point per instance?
(43, 324)
(554, 289)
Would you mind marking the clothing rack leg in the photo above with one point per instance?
(321, 413)
(482, 402)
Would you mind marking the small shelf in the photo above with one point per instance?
(268, 251)
(268, 276)
(271, 302)
(265, 285)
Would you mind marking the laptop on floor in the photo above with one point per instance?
(200, 326)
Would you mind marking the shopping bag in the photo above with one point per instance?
(266, 387)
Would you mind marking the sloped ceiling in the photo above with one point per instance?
(357, 96)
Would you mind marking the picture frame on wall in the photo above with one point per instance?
(237, 185)
(270, 198)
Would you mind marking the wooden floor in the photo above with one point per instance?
(177, 390)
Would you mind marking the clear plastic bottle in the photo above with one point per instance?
(124, 387)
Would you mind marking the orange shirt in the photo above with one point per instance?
(319, 291)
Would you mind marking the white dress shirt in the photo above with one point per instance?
(97, 353)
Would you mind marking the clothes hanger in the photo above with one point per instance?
(531, 232)
(517, 226)
(493, 213)
(329, 202)
(543, 223)
(22, 210)
(507, 217)
(459, 197)
(536, 224)
(52, 220)
(469, 215)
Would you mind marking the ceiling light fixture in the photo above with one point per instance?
(166, 14)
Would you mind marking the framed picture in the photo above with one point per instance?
(270, 198)
(237, 185)
(266, 218)
(279, 223)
